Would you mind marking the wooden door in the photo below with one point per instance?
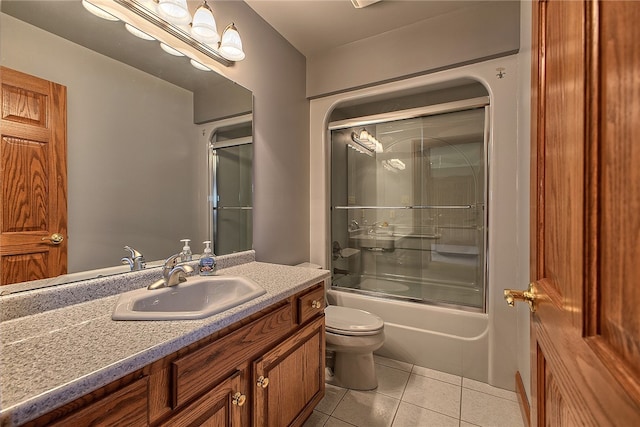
(585, 332)
(33, 177)
(219, 407)
(289, 380)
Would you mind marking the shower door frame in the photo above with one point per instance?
(212, 158)
(431, 110)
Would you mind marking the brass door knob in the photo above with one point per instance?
(530, 296)
(263, 382)
(238, 399)
(54, 239)
(316, 304)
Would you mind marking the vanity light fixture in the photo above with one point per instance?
(136, 32)
(231, 44)
(203, 27)
(170, 50)
(174, 11)
(95, 10)
(199, 66)
(366, 140)
(172, 17)
(394, 165)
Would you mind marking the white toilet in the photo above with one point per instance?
(353, 335)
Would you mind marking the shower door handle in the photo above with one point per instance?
(530, 296)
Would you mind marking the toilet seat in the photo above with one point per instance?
(351, 321)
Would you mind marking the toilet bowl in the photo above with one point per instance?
(353, 335)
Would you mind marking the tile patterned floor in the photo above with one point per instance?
(412, 396)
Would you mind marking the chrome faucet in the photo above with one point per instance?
(172, 273)
(135, 260)
(353, 226)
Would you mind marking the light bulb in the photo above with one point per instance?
(174, 11)
(231, 44)
(203, 27)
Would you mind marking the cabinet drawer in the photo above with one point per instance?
(197, 372)
(127, 406)
(310, 304)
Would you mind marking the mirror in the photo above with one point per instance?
(136, 164)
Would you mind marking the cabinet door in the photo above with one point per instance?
(289, 380)
(220, 407)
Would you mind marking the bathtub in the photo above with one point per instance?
(444, 339)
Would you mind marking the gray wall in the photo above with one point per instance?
(131, 151)
(275, 72)
(469, 35)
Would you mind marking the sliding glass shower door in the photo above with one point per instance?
(409, 206)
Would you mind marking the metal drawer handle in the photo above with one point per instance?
(239, 399)
(263, 382)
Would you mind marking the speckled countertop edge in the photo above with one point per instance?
(44, 367)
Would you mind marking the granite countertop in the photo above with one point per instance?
(53, 357)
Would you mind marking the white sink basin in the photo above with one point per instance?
(197, 298)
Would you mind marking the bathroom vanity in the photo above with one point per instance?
(258, 364)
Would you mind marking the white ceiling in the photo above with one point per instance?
(314, 26)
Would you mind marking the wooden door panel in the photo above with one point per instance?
(619, 192)
(33, 177)
(563, 150)
(29, 266)
(24, 174)
(586, 227)
(295, 373)
(25, 106)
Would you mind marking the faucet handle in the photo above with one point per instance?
(132, 252)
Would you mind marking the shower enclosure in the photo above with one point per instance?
(231, 186)
(408, 206)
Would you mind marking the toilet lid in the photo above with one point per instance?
(351, 321)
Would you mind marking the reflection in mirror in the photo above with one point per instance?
(135, 164)
(231, 185)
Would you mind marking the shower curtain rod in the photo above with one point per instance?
(448, 107)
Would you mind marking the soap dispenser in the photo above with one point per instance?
(186, 254)
(207, 264)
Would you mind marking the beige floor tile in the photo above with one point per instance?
(403, 366)
(317, 419)
(391, 381)
(366, 409)
(334, 422)
(332, 396)
(442, 376)
(489, 411)
(409, 415)
(486, 388)
(432, 394)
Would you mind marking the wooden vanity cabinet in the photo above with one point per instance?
(126, 406)
(265, 370)
(220, 407)
(289, 380)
